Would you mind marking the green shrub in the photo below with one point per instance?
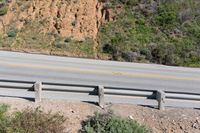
(1, 40)
(167, 16)
(192, 29)
(164, 54)
(4, 119)
(147, 53)
(12, 33)
(109, 123)
(3, 10)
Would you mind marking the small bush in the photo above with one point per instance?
(167, 16)
(12, 33)
(160, 53)
(109, 123)
(3, 10)
(1, 40)
(146, 52)
(30, 121)
(130, 56)
(4, 119)
(36, 121)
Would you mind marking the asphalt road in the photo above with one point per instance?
(23, 66)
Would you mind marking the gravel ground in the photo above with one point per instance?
(172, 120)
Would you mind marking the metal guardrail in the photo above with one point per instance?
(101, 94)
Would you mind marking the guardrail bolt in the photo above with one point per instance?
(161, 100)
(101, 96)
(38, 91)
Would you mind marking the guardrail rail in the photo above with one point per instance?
(160, 98)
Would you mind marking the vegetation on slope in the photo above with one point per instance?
(30, 38)
(164, 32)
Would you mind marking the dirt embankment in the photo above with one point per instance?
(77, 19)
(172, 120)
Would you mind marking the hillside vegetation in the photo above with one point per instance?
(151, 31)
(164, 32)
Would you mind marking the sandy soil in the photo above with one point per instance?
(172, 120)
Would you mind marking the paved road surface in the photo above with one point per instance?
(23, 66)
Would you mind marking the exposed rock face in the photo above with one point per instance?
(77, 19)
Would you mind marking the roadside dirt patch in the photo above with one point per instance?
(172, 120)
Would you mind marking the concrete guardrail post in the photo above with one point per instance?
(38, 91)
(101, 96)
(161, 99)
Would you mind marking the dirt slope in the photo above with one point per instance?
(172, 120)
(78, 19)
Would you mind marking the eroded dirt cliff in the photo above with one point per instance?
(77, 19)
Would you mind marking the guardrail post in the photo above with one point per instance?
(161, 99)
(38, 91)
(101, 96)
